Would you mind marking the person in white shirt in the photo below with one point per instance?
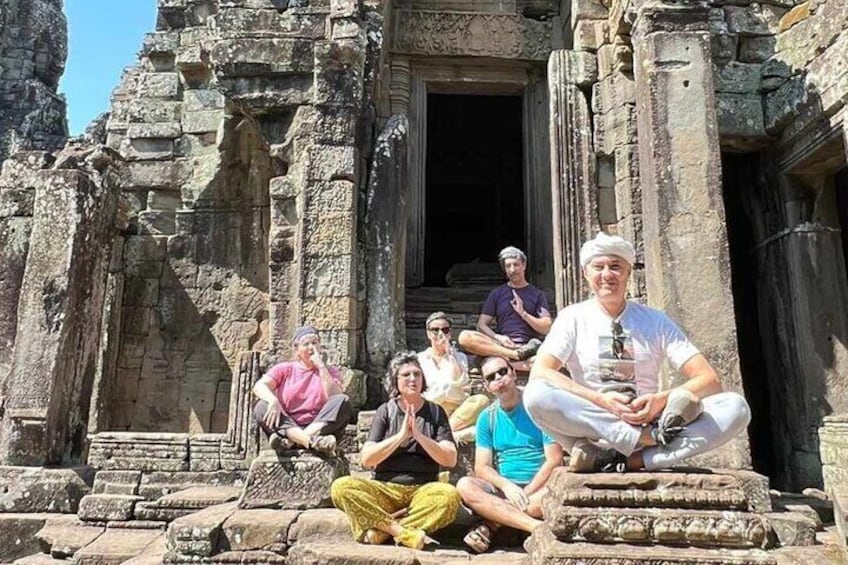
(446, 374)
(609, 413)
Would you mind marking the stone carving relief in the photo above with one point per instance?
(697, 528)
(507, 36)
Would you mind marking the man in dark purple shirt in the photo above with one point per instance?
(519, 311)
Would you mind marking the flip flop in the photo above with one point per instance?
(479, 538)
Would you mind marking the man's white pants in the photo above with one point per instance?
(568, 418)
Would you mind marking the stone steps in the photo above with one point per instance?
(117, 545)
(64, 536)
(544, 547)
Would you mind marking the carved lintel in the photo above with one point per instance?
(506, 36)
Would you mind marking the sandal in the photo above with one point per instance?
(479, 538)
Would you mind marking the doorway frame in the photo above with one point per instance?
(412, 80)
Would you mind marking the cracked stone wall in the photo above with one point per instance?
(241, 127)
(33, 50)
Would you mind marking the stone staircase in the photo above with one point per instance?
(462, 304)
(279, 512)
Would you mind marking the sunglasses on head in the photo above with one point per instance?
(443, 330)
(502, 372)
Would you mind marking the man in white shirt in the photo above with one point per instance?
(610, 414)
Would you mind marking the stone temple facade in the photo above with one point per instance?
(355, 165)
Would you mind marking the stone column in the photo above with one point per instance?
(60, 307)
(573, 183)
(686, 250)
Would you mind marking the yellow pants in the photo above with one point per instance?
(465, 414)
(369, 503)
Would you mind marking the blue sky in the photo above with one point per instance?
(104, 36)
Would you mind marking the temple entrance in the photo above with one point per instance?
(474, 187)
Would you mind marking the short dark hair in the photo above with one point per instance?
(399, 360)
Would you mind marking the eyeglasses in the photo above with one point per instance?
(437, 330)
(617, 344)
(502, 372)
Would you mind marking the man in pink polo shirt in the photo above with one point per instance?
(301, 402)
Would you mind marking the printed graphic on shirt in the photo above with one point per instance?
(615, 357)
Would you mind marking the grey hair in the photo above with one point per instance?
(511, 252)
(399, 360)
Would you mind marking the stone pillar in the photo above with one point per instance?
(686, 250)
(573, 183)
(61, 302)
(385, 331)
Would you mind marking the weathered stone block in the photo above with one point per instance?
(105, 507)
(159, 85)
(196, 535)
(792, 528)
(335, 196)
(352, 553)
(154, 130)
(330, 233)
(256, 529)
(698, 528)
(253, 57)
(756, 49)
(295, 480)
(147, 149)
(740, 115)
(202, 121)
(19, 534)
(116, 546)
(142, 452)
(612, 92)
(185, 502)
(239, 22)
(724, 47)
(331, 313)
(702, 490)
(754, 19)
(36, 489)
(320, 524)
(198, 99)
(164, 174)
(331, 163)
(63, 536)
(589, 35)
(116, 482)
(840, 515)
(543, 547)
(740, 78)
(327, 276)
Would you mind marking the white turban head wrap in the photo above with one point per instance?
(604, 244)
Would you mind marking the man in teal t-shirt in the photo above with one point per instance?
(512, 462)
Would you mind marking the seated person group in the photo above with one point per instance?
(607, 413)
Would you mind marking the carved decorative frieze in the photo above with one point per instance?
(699, 528)
(731, 490)
(504, 36)
(543, 547)
(833, 446)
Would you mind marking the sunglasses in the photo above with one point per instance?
(437, 330)
(502, 372)
(617, 344)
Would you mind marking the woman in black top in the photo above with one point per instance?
(410, 440)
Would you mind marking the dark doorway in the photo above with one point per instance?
(474, 192)
(740, 183)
